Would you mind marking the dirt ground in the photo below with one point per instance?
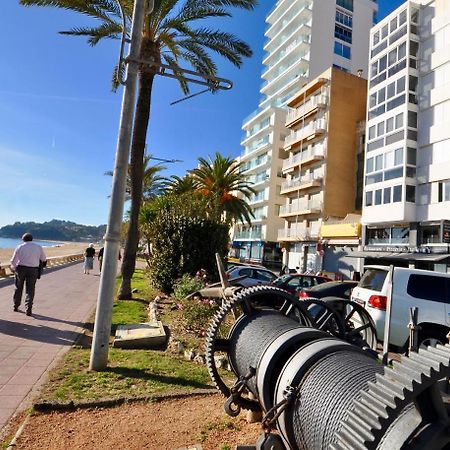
(167, 425)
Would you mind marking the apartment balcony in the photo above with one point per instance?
(306, 182)
(285, 75)
(304, 158)
(256, 200)
(258, 180)
(275, 31)
(311, 130)
(255, 147)
(255, 164)
(302, 208)
(296, 49)
(248, 236)
(305, 110)
(298, 234)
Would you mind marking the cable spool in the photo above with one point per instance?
(321, 373)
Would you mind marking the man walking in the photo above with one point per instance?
(26, 262)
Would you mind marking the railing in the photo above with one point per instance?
(303, 206)
(54, 261)
(300, 233)
(303, 110)
(303, 133)
(313, 152)
(307, 179)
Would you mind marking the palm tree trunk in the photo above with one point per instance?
(141, 122)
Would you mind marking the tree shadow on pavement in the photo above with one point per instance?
(38, 333)
(54, 319)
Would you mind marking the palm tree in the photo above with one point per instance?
(180, 185)
(168, 37)
(221, 182)
(153, 185)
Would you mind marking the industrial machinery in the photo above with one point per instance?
(310, 367)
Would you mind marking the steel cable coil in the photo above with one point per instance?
(326, 394)
(251, 336)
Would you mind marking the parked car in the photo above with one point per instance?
(428, 291)
(295, 282)
(340, 289)
(253, 275)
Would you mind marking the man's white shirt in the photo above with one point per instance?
(28, 254)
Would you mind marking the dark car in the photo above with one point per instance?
(295, 282)
(341, 289)
(251, 275)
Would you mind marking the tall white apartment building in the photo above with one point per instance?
(406, 213)
(304, 38)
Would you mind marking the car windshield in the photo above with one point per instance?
(373, 279)
(281, 280)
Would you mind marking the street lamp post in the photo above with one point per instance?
(103, 317)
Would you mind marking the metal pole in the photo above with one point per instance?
(387, 320)
(103, 316)
(413, 330)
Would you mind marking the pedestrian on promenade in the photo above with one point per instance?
(89, 254)
(100, 258)
(26, 263)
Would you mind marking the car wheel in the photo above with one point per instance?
(430, 338)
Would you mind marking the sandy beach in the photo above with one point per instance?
(69, 248)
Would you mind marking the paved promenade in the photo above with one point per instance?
(29, 345)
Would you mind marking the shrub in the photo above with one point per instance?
(184, 244)
(197, 314)
(186, 285)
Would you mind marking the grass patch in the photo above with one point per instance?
(134, 311)
(129, 373)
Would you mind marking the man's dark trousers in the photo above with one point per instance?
(28, 276)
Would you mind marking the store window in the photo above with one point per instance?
(430, 234)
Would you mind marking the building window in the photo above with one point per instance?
(387, 195)
(378, 197)
(369, 198)
(410, 194)
(397, 194)
(344, 19)
(430, 234)
(347, 4)
(342, 50)
(343, 34)
(444, 191)
(411, 156)
(388, 236)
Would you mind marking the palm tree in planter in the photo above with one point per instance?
(224, 187)
(168, 37)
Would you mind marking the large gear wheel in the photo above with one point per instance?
(403, 409)
(247, 302)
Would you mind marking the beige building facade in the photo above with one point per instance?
(322, 167)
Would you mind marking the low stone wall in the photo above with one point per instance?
(5, 270)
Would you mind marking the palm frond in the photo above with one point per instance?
(107, 30)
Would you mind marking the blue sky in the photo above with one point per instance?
(59, 118)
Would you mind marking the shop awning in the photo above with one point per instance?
(430, 257)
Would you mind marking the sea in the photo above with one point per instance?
(13, 243)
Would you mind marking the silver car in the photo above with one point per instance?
(251, 275)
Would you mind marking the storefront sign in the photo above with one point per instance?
(394, 249)
(445, 230)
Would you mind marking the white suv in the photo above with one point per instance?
(427, 290)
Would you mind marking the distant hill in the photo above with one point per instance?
(55, 230)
